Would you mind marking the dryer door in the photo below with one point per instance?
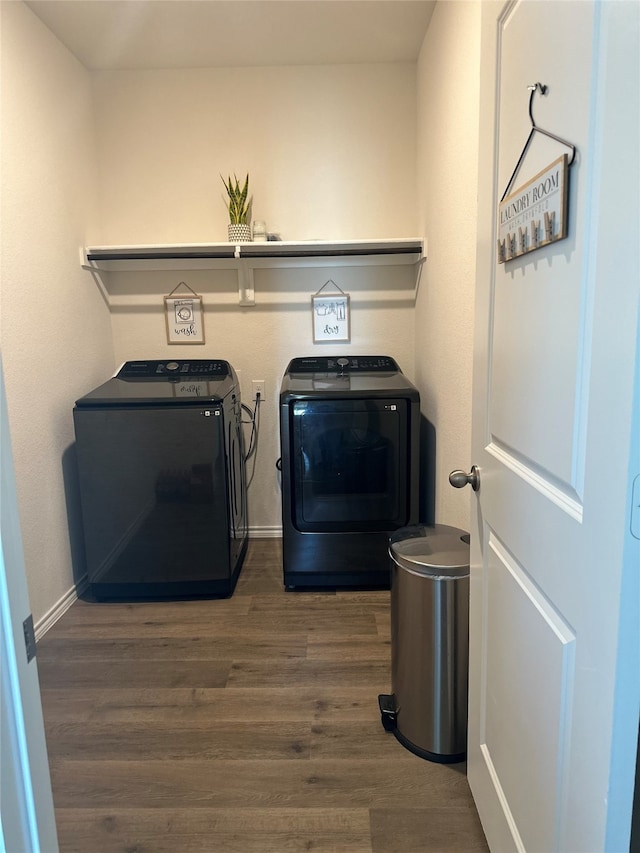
(350, 468)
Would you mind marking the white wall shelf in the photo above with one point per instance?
(246, 257)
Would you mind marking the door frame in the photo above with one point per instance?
(28, 819)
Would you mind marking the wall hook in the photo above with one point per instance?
(542, 88)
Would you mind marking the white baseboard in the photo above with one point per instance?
(60, 607)
(265, 532)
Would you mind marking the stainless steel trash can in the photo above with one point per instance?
(427, 709)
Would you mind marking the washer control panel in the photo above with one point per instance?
(344, 364)
(200, 367)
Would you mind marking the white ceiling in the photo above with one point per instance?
(110, 34)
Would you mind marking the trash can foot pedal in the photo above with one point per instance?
(387, 705)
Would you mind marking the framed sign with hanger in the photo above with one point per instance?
(536, 214)
(184, 316)
(330, 315)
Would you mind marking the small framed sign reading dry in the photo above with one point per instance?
(330, 314)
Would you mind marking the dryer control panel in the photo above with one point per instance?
(344, 364)
(200, 367)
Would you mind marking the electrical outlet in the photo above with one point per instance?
(257, 387)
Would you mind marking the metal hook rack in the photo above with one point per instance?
(542, 88)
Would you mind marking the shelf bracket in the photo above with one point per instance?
(96, 274)
(419, 267)
(246, 292)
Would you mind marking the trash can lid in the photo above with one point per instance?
(431, 549)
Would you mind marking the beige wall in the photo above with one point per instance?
(330, 151)
(448, 99)
(55, 329)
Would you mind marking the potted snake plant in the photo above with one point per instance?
(239, 206)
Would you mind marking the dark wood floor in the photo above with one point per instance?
(238, 725)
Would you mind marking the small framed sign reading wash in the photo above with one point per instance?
(184, 317)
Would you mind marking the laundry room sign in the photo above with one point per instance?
(536, 214)
(184, 317)
(330, 315)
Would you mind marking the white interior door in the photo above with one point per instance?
(27, 821)
(556, 338)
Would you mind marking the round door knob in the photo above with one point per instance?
(460, 479)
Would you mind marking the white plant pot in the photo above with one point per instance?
(239, 233)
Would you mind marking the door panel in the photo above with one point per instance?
(553, 389)
(540, 301)
(529, 683)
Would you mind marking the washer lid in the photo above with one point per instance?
(165, 383)
(431, 550)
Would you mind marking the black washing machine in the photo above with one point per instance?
(162, 481)
(349, 432)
